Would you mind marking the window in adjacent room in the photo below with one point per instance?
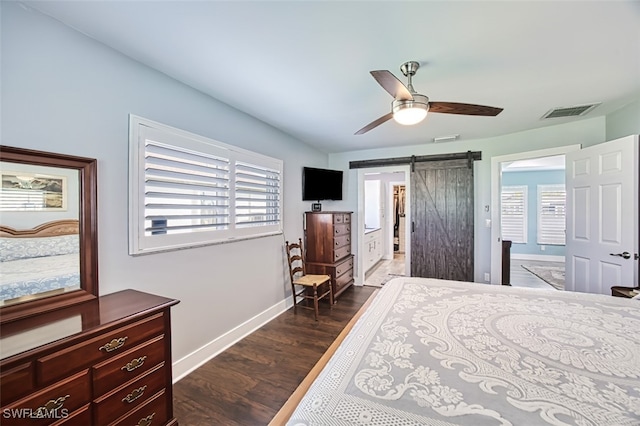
(513, 213)
(551, 214)
(187, 190)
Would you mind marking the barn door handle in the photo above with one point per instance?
(624, 254)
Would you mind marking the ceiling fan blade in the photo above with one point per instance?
(464, 109)
(374, 124)
(391, 84)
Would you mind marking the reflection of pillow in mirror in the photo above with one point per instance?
(25, 248)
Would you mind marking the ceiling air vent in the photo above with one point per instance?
(573, 111)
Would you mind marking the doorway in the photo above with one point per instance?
(533, 218)
(539, 265)
(376, 227)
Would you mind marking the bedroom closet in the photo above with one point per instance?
(399, 218)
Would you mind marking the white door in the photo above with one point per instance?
(602, 216)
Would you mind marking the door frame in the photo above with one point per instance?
(406, 168)
(496, 184)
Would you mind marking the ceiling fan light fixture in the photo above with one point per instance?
(409, 107)
(409, 112)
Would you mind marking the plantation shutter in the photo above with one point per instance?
(184, 191)
(187, 190)
(257, 190)
(513, 213)
(15, 199)
(551, 214)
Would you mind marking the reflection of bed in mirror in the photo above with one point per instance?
(43, 260)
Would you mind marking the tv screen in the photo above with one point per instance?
(321, 184)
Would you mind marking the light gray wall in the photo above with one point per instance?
(64, 92)
(585, 132)
(624, 122)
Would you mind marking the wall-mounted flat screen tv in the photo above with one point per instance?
(321, 184)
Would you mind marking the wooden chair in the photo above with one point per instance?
(313, 287)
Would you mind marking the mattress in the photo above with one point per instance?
(436, 352)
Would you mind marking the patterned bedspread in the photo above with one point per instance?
(23, 277)
(434, 352)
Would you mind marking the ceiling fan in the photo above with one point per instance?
(410, 107)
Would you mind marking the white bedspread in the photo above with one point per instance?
(434, 352)
(23, 277)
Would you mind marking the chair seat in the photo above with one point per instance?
(310, 280)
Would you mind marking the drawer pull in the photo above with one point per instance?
(134, 395)
(52, 405)
(135, 363)
(146, 421)
(114, 344)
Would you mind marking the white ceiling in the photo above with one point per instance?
(303, 66)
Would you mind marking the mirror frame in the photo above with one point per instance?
(88, 229)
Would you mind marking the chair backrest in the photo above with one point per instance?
(295, 257)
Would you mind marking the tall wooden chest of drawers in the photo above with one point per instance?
(328, 246)
(102, 362)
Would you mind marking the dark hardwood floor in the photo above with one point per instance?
(248, 383)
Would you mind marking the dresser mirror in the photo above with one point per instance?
(48, 232)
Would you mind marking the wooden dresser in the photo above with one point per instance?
(328, 244)
(102, 362)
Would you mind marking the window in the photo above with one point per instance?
(513, 213)
(15, 199)
(187, 190)
(551, 214)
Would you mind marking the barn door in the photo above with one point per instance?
(442, 220)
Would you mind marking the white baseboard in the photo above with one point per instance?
(195, 359)
(540, 257)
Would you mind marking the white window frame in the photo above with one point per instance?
(551, 228)
(524, 228)
(142, 130)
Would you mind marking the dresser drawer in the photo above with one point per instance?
(344, 267)
(342, 241)
(341, 252)
(80, 417)
(16, 382)
(129, 396)
(127, 366)
(344, 280)
(152, 412)
(339, 230)
(53, 403)
(341, 218)
(62, 363)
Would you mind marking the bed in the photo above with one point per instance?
(39, 260)
(435, 352)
